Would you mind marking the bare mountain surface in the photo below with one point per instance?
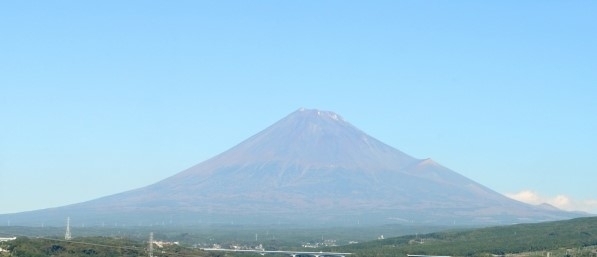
(311, 167)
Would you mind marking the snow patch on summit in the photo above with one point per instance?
(325, 114)
(330, 115)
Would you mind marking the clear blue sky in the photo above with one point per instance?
(100, 97)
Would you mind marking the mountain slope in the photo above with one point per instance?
(310, 167)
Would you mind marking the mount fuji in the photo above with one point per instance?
(311, 167)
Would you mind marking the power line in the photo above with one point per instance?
(68, 236)
(150, 244)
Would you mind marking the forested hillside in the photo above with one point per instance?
(573, 237)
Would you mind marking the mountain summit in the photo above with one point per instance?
(311, 167)
(316, 138)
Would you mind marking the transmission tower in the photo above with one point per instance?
(151, 244)
(67, 236)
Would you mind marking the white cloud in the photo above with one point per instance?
(563, 202)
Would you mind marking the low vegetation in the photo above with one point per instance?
(90, 246)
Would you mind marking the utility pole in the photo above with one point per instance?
(151, 244)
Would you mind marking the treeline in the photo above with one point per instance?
(92, 247)
(272, 237)
(96, 246)
(562, 237)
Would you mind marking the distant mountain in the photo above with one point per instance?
(311, 167)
